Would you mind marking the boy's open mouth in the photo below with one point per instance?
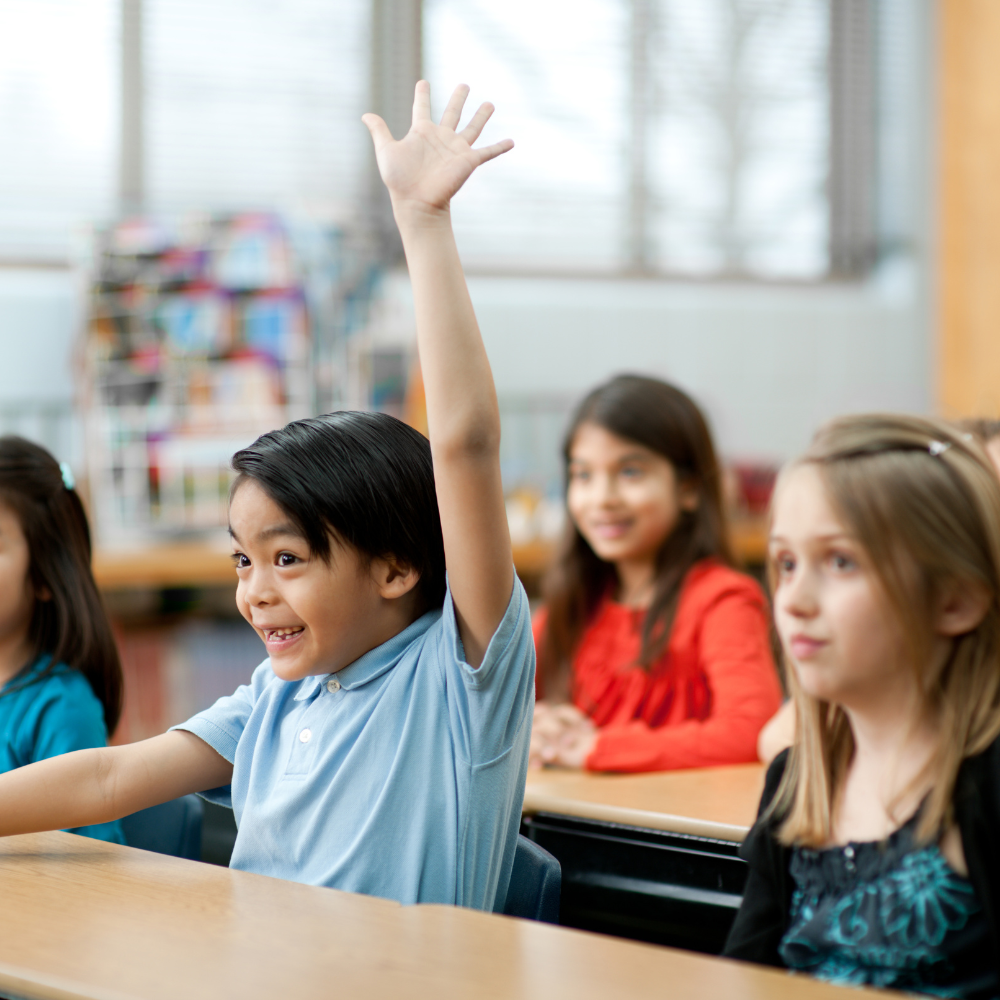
(282, 636)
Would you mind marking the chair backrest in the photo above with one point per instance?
(170, 828)
(535, 883)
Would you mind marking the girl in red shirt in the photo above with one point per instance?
(653, 652)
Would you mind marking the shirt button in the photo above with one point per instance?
(305, 736)
(333, 685)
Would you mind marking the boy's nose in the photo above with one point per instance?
(256, 592)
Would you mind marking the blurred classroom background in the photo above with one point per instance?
(784, 206)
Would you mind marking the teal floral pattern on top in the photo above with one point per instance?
(889, 914)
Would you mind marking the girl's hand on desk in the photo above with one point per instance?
(560, 735)
(576, 745)
(425, 169)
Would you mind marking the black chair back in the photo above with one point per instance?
(170, 828)
(535, 884)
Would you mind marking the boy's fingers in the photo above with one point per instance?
(453, 112)
(488, 152)
(421, 101)
(379, 130)
(471, 131)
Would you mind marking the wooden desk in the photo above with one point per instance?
(653, 857)
(91, 921)
(717, 802)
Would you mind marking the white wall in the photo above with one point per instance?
(39, 319)
(767, 364)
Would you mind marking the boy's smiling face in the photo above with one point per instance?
(314, 616)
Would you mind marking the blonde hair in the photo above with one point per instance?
(924, 502)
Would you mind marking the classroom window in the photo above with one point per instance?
(59, 94)
(236, 105)
(718, 138)
(252, 104)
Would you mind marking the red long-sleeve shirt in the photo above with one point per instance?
(703, 703)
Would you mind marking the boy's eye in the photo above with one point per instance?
(631, 471)
(287, 559)
(240, 561)
(579, 475)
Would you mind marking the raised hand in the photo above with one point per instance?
(425, 168)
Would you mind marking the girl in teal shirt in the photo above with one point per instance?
(60, 677)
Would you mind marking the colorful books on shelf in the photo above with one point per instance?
(198, 341)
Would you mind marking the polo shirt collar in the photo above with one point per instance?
(374, 663)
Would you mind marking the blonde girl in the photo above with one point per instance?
(874, 859)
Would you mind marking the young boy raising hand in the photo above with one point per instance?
(382, 747)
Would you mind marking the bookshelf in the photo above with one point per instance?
(199, 338)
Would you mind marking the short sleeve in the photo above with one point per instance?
(222, 725)
(493, 701)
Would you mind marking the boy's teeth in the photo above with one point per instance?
(285, 631)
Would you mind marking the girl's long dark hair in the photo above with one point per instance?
(662, 418)
(69, 621)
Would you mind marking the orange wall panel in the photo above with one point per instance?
(968, 348)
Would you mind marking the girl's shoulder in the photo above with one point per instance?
(54, 679)
(47, 710)
(978, 785)
(709, 581)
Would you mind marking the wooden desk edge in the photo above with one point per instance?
(33, 985)
(538, 800)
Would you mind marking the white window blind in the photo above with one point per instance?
(739, 136)
(256, 104)
(59, 101)
(659, 136)
(557, 75)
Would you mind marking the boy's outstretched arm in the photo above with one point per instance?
(422, 172)
(95, 786)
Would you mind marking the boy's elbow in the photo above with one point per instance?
(476, 442)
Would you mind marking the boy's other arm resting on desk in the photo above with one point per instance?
(87, 787)
(423, 172)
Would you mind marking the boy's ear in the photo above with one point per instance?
(392, 578)
(961, 606)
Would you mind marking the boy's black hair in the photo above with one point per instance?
(367, 477)
(68, 621)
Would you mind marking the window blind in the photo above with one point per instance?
(256, 104)
(555, 72)
(59, 100)
(654, 136)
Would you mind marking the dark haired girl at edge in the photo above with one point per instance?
(653, 652)
(60, 679)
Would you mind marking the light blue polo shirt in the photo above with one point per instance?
(401, 776)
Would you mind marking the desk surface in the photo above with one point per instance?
(84, 919)
(718, 802)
